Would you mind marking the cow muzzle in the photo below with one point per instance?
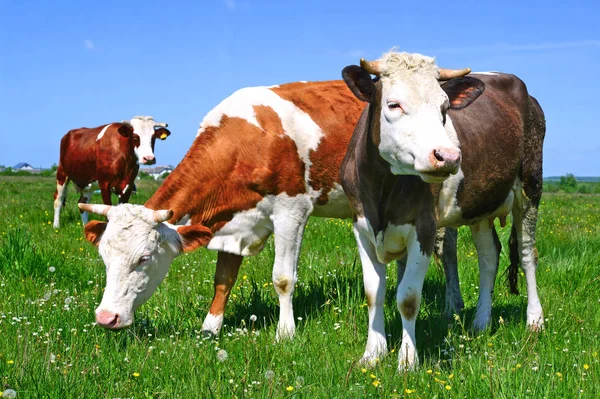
(109, 320)
(443, 162)
(148, 160)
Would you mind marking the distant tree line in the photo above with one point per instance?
(569, 184)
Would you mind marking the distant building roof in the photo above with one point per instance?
(22, 165)
(157, 169)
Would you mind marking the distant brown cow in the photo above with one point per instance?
(109, 154)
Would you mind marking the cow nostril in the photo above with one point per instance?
(438, 155)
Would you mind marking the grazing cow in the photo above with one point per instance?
(424, 156)
(263, 161)
(109, 154)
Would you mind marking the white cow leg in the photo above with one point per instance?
(408, 299)
(374, 281)
(525, 223)
(59, 201)
(289, 219)
(488, 252)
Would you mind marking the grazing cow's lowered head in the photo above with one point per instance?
(137, 246)
(144, 131)
(409, 113)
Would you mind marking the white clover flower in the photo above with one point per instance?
(222, 355)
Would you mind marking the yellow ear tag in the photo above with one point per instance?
(163, 136)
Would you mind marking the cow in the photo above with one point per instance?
(425, 155)
(110, 155)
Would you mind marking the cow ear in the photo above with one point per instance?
(94, 230)
(125, 130)
(463, 91)
(359, 82)
(162, 133)
(193, 236)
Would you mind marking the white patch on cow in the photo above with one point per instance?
(212, 323)
(337, 205)
(126, 188)
(411, 126)
(297, 124)
(101, 134)
(61, 193)
(143, 126)
(303, 81)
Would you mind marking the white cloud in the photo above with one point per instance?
(88, 44)
(519, 47)
(230, 4)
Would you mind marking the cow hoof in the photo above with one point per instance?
(284, 335)
(536, 326)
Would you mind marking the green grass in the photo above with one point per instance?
(49, 346)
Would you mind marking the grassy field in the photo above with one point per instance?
(51, 281)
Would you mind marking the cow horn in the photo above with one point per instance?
(160, 124)
(447, 74)
(95, 208)
(162, 215)
(373, 67)
(128, 123)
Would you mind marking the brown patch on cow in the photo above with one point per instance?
(491, 156)
(409, 306)
(333, 107)
(535, 255)
(282, 285)
(230, 168)
(94, 230)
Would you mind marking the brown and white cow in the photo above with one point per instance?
(109, 154)
(263, 161)
(425, 156)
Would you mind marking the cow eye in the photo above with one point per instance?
(144, 259)
(394, 105)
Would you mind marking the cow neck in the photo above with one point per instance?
(395, 199)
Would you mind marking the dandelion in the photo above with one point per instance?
(430, 371)
(253, 318)
(269, 374)
(376, 383)
(68, 300)
(409, 391)
(9, 393)
(448, 387)
(51, 269)
(290, 388)
(10, 362)
(222, 355)
(586, 366)
(364, 370)
(559, 374)
(136, 374)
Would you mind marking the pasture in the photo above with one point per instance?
(51, 281)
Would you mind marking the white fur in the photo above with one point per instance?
(411, 134)
(212, 323)
(297, 124)
(101, 134)
(58, 202)
(143, 126)
(487, 255)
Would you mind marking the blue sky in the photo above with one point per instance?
(67, 64)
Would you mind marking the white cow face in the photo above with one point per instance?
(137, 247)
(411, 110)
(144, 135)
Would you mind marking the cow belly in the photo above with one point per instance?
(450, 214)
(246, 233)
(337, 205)
(390, 244)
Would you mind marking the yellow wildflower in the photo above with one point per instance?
(290, 388)
(586, 366)
(448, 387)
(136, 374)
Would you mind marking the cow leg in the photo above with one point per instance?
(488, 254)
(289, 218)
(125, 194)
(60, 195)
(374, 282)
(228, 266)
(525, 214)
(105, 192)
(445, 249)
(85, 198)
(408, 300)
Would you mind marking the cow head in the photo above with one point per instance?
(137, 246)
(409, 113)
(144, 131)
